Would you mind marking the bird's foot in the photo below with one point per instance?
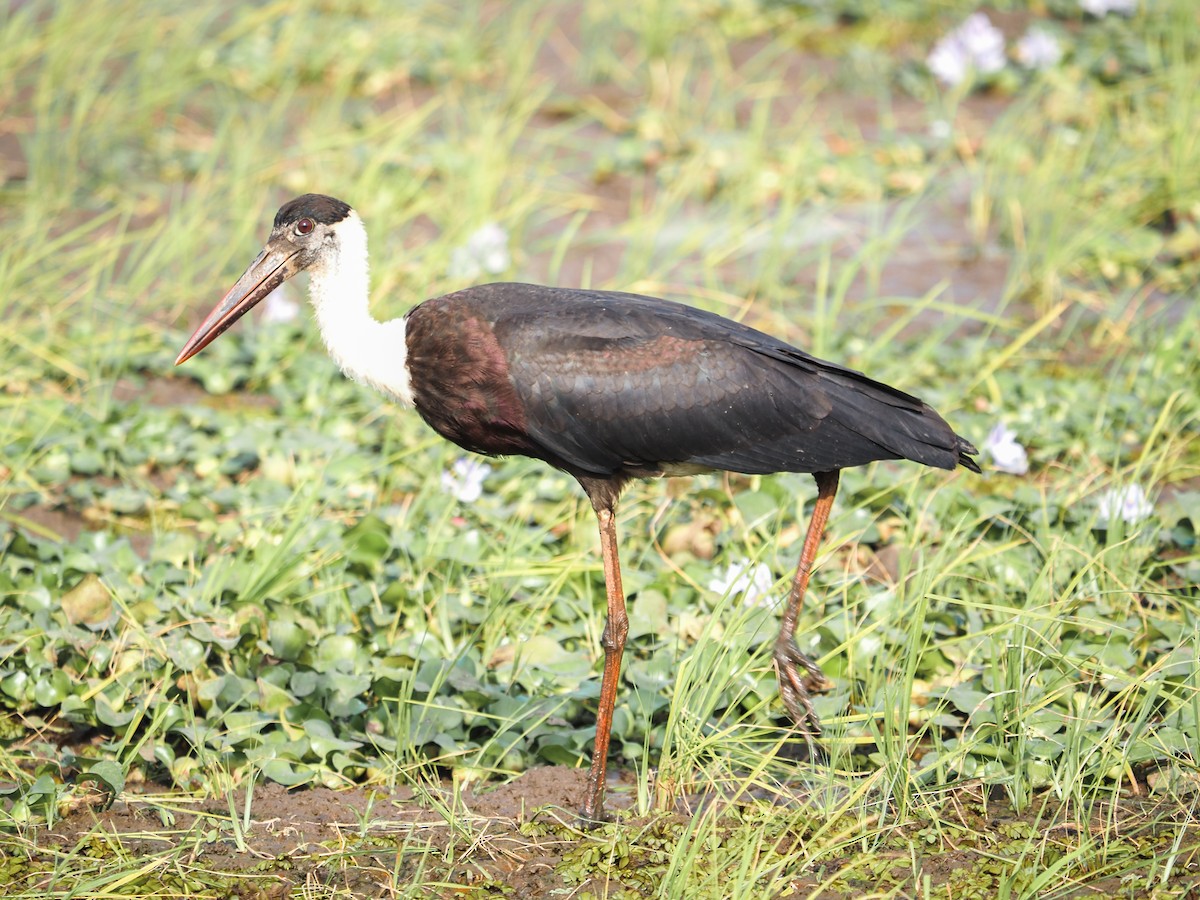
(592, 813)
(796, 689)
(586, 821)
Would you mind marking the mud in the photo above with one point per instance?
(515, 833)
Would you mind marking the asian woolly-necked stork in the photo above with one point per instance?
(607, 387)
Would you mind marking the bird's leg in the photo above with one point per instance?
(795, 688)
(616, 627)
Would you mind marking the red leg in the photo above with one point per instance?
(794, 688)
(616, 627)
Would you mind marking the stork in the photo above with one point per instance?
(607, 387)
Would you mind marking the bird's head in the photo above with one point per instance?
(305, 237)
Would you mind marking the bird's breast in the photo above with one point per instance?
(460, 380)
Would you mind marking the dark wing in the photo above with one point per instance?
(617, 382)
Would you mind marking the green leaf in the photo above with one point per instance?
(88, 603)
(323, 740)
(108, 774)
(185, 652)
(126, 500)
(287, 773)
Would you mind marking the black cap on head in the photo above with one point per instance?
(318, 207)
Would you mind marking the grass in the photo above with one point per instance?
(248, 573)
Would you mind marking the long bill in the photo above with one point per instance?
(271, 268)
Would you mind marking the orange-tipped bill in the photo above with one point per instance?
(272, 267)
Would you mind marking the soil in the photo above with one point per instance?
(523, 838)
(357, 836)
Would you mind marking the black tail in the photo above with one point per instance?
(966, 450)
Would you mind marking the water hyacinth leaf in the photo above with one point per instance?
(540, 650)
(287, 638)
(52, 689)
(163, 754)
(756, 507)
(277, 675)
(394, 594)
(215, 633)
(87, 461)
(368, 542)
(37, 599)
(52, 468)
(322, 739)
(126, 500)
(42, 796)
(170, 715)
(236, 463)
(89, 604)
(657, 673)
(289, 774)
(196, 510)
(176, 548)
(337, 652)
(350, 766)
(108, 775)
(226, 691)
(217, 380)
(186, 653)
(346, 692)
(1175, 740)
(114, 716)
(274, 699)
(1188, 572)
(467, 549)
(241, 724)
(1183, 533)
(648, 616)
(16, 685)
(447, 722)
(967, 699)
(305, 682)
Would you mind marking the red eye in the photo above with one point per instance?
(304, 226)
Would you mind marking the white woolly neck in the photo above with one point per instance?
(371, 352)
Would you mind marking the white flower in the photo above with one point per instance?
(1129, 503)
(1006, 454)
(1101, 8)
(1038, 49)
(975, 44)
(485, 252)
(279, 307)
(752, 581)
(464, 480)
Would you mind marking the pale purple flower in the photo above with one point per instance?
(279, 306)
(485, 253)
(1128, 503)
(1038, 49)
(1006, 454)
(1101, 8)
(975, 44)
(752, 581)
(464, 480)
